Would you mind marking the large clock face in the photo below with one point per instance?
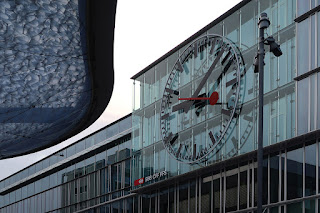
(201, 99)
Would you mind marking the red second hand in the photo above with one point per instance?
(213, 99)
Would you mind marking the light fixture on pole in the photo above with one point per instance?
(263, 24)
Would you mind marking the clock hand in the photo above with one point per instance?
(187, 104)
(213, 99)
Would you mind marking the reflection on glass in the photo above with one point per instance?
(206, 197)
(183, 197)
(294, 208)
(274, 179)
(294, 173)
(232, 193)
(310, 170)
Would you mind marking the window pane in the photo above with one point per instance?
(231, 193)
(303, 91)
(183, 197)
(163, 201)
(216, 196)
(303, 46)
(309, 206)
(274, 179)
(294, 208)
(206, 197)
(310, 170)
(294, 173)
(303, 6)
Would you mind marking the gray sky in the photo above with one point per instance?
(145, 30)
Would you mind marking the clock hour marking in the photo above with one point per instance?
(212, 138)
(174, 139)
(231, 82)
(171, 91)
(234, 141)
(228, 65)
(195, 50)
(248, 118)
(179, 66)
(194, 150)
(226, 112)
(165, 116)
(213, 44)
(225, 58)
(179, 150)
(168, 138)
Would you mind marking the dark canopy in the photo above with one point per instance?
(56, 70)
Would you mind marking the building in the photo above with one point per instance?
(190, 143)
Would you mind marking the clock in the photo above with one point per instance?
(202, 99)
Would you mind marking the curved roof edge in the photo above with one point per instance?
(100, 24)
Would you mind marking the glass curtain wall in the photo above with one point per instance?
(291, 177)
(99, 178)
(279, 87)
(78, 146)
(308, 68)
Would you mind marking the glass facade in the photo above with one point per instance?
(279, 89)
(126, 168)
(309, 60)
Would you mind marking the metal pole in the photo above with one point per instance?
(263, 24)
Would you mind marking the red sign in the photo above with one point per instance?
(139, 181)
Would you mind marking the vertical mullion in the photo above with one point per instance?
(238, 189)
(317, 175)
(220, 191)
(268, 197)
(199, 206)
(224, 190)
(212, 195)
(304, 177)
(189, 197)
(252, 184)
(248, 186)
(316, 65)
(304, 171)
(285, 179)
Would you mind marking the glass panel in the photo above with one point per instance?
(243, 191)
(171, 199)
(309, 206)
(232, 193)
(183, 197)
(294, 208)
(89, 141)
(145, 203)
(163, 205)
(193, 196)
(274, 179)
(248, 25)
(310, 170)
(80, 146)
(303, 6)
(148, 157)
(303, 46)
(294, 173)
(112, 154)
(303, 99)
(206, 197)
(71, 151)
(216, 195)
